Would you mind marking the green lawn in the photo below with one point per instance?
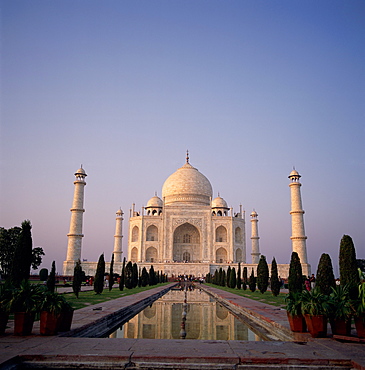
(267, 297)
(90, 298)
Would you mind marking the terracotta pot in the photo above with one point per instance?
(23, 323)
(360, 326)
(65, 321)
(4, 317)
(341, 326)
(49, 323)
(297, 323)
(317, 325)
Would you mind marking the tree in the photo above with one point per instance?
(77, 279)
(37, 254)
(229, 276)
(128, 275)
(22, 259)
(295, 279)
(262, 275)
(325, 278)
(252, 282)
(224, 278)
(111, 273)
(99, 276)
(244, 278)
(122, 276)
(8, 242)
(348, 266)
(152, 276)
(239, 279)
(51, 281)
(145, 277)
(275, 283)
(233, 279)
(135, 275)
(43, 274)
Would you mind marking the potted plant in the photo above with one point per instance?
(341, 310)
(66, 317)
(51, 309)
(315, 308)
(359, 316)
(24, 302)
(294, 312)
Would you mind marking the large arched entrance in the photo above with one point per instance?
(186, 244)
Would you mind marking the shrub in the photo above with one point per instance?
(325, 278)
(348, 266)
(275, 283)
(233, 279)
(122, 276)
(239, 279)
(295, 279)
(252, 282)
(99, 276)
(262, 275)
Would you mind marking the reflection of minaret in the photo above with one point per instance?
(118, 237)
(75, 235)
(298, 235)
(255, 238)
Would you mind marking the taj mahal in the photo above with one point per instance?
(186, 231)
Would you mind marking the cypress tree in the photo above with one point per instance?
(135, 275)
(325, 278)
(77, 279)
(111, 273)
(233, 279)
(262, 275)
(139, 278)
(122, 276)
(22, 259)
(275, 283)
(348, 266)
(152, 276)
(239, 279)
(224, 278)
(295, 279)
(99, 276)
(244, 278)
(128, 276)
(229, 276)
(51, 281)
(145, 277)
(252, 282)
(220, 276)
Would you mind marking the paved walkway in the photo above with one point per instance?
(178, 354)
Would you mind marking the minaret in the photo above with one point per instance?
(255, 238)
(297, 221)
(118, 236)
(75, 235)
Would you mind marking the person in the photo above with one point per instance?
(313, 281)
(307, 284)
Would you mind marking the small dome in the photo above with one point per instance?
(119, 212)
(253, 214)
(80, 171)
(155, 202)
(294, 173)
(219, 202)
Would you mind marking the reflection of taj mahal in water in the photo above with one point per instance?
(185, 231)
(205, 319)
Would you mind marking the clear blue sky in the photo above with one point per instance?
(251, 88)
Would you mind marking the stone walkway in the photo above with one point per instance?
(87, 353)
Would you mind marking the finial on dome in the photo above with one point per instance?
(187, 156)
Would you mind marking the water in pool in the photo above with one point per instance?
(185, 314)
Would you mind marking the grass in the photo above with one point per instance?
(266, 297)
(90, 298)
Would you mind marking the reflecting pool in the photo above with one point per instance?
(185, 314)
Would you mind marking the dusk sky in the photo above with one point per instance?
(250, 88)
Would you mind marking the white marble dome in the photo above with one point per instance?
(219, 202)
(187, 185)
(155, 202)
